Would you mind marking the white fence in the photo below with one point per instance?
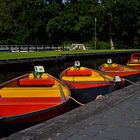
(27, 48)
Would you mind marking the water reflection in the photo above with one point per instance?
(4, 76)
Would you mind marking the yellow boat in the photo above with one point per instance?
(134, 61)
(28, 99)
(86, 84)
(123, 71)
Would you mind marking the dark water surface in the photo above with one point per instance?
(55, 68)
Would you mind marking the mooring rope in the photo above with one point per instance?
(131, 81)
(97, 98)
(76, 101)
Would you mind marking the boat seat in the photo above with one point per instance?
(36, 82)
(79, 73)
(30, 92)
(83, 78)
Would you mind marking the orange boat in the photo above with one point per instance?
(86, 84)
(129, 73)
(134, 61)
(32, 98)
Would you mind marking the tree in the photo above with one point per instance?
(125, 20)
(24, 22)
(51, 21)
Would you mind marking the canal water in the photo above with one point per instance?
(55, 68)
(10, 71)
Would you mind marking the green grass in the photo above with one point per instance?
(23, 55)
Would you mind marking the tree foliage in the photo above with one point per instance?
(59, 21)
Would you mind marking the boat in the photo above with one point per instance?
(85, 83)
(32, 98)
(128, 73)
(134, 61)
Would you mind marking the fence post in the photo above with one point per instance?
(9, 48)
(19, 48)
(28, 48)
(44, 47)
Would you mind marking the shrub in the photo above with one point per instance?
(103, 45)
(99, 45)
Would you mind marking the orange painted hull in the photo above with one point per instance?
(82, 85)
(38, 110)
(15, 123)
(123, 74)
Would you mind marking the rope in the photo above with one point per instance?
(131, 81)
(76, 101)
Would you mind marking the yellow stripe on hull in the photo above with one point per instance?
(128, 69)
(133, 64)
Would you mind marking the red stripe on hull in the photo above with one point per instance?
(38, 116)
(17, 106)
(125, 73)
(80, 85)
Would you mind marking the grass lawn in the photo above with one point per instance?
(22, 55)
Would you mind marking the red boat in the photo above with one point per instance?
(134, 61)
(28, 99)
(123, 71)
(86, 84)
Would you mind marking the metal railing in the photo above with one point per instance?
(28, 48)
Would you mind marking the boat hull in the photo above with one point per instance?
(86, 93)
(89, 94)
(16, 123)
(132, 76)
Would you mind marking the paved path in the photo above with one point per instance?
(122, 122)
(116, 117)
